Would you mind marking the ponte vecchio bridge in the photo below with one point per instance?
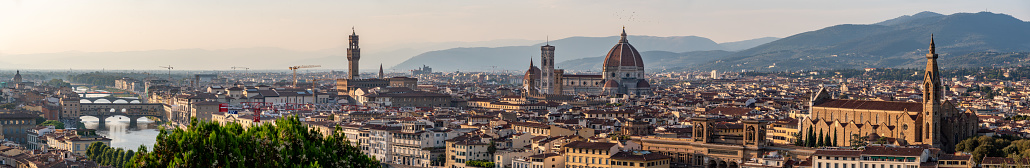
(120, 108)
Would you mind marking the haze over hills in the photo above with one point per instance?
(652, 59)
(897, 43)
(258, 58)
(567, 49)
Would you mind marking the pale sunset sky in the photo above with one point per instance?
(48, 26)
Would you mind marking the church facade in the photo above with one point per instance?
(932, 121)
(622, 74)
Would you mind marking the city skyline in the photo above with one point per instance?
(683, 84)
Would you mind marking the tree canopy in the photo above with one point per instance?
(55, 123)
(995, 147)
(108, 156)
(287, 143)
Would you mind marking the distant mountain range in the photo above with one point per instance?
(962, 40)
(579, 50)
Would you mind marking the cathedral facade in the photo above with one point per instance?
(622, 74)
(932, 121)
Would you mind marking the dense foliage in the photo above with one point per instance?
(995, 147)
(108, 78)
(8, 106)
(814, 139)
(108, 156)
(479, 163)
(287, 143)
(95, 78)
(55, 123)
(1019, 117)
(57, 83)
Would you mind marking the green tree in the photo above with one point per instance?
(55, 123)
(858, 141)
(822, 141)
(834, 137)
(492, 148)
(287, 143)
(811, 137)
(57, 83)
(797, 140)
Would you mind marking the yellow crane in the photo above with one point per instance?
(294, 69)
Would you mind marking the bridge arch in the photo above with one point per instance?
(85, 101)
(101, 100)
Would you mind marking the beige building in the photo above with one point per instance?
(70, 106)
(1004, 162)
(203, 110)
(547, 160)
(932, 121)
(466, 148)
(70, 141)
(539, 129)
(713, 143)
(873, 157)
(401, 97)
(783, 131)
(582, 154)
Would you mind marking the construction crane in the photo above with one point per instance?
(294, 69)
(169, 67)
(314, 84)
(245, 69)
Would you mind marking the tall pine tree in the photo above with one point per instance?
(811, 139)
(822, 141)
(834, 136)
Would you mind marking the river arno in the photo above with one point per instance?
(117, 129)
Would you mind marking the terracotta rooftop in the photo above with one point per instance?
(892, 151)
(638, 156)
(823, 152)
(872, 105)
(590, 145)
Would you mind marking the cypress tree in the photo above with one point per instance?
(834, 137)
(810, 142)
(797, 140)
(821, 141)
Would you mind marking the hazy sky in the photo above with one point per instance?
(45, 26)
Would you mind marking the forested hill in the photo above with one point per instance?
(895, 43)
